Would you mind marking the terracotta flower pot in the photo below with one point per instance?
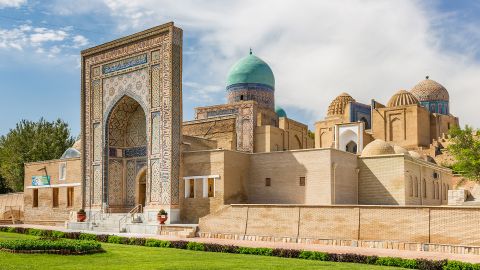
(162, 218)
(81, 217)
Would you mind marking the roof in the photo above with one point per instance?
(251, 69)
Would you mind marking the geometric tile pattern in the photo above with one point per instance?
(125, 63)
(131, 184)
(155, 185)
(97, 142)
(97, 99)
(156, 84)
(155, 133)
(97, 184)
(115, 182)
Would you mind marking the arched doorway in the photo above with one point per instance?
(351, 147)
(141, 181)
(126, 146)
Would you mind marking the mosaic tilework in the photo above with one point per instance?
(155, 133)
(156, 55)
(131, 184)
(127, 124)
(155, 183)
(97, 142)
(156, 85)
(125, 63)
(264, 98)
(140, 151)
(176, 118)
(97, 99)
(135, 84)
(115, 182)
(97, 185)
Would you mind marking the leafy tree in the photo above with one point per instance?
(465, 148)
(3, 186)
(31, 141)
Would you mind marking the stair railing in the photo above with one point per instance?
(135, 210)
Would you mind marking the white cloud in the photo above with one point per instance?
(41, 35)
(318, 49)
(12, 3)
(79, 41)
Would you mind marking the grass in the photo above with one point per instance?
(137, 257)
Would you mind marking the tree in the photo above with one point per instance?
(31, 141)
(465, 148)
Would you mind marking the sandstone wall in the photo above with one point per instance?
(303, 223)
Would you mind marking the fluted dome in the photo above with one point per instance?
(400, 150)
(337, 106)
(402, 98)
(377, 147)
(252, 70)
(414, 154)
(430, 90)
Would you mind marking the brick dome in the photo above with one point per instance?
(400, 150)
(377, 147)
(430, 90)
(337, 106)
(402, 98)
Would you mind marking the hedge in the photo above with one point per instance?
(47, 245)
(87, 239)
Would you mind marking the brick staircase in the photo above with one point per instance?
(110, 223)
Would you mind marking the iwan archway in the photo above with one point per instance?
(126, 138)
(131, 123)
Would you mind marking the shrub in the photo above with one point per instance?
(136, 241)
(87, 236)
(19, 230)
(11, 229)
(313, 255)
(157, 243)
(455, 265)
(102, 238)
(398, 262)
(36, 232)
(286, 253)
(72, 235)
(114, 239)
(255, 251)
(51, 245)
(211, 247)
(424, 264)
(195, 246)
(180, 244)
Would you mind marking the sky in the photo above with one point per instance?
(316, 49)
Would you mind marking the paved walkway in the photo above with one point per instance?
(313, 247)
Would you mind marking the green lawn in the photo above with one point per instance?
(137, 257)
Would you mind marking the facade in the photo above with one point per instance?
(136, 153)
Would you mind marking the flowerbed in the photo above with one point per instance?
(85, 238)
(51, 245)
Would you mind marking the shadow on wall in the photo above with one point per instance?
(281, 177)
(373, 183)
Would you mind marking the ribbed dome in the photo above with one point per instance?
(377, 147)
(414, 154)
(337, 106)
(430, 90)
(251, 69)
(280, 112)
(402, 98)
(78, 145)
(400, 150)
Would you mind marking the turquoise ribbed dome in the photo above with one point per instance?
(251, 69)
(280, 112)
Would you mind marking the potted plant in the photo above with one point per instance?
(81, 215)
(162, 216)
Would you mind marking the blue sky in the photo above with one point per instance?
(317, 49)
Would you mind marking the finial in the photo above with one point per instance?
(250, 50)
(426, 77)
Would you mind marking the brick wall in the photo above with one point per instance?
(438, 225)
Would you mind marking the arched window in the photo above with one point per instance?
(351, 147)
(365, 121)
(410, 187)
(416, 187)
(424, 188)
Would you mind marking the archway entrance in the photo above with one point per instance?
(141, 187)
(351, 147)
(126, 139)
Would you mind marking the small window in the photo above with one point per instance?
(302, 181)
(448, 126)
(55, 197)
(35, 198)
(62, 171)
(211, 187)
(70, 197)
(241, 97)
(268, 182)
(192, 188)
